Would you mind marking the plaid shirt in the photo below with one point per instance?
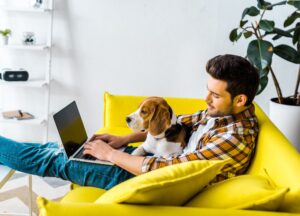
(232, 136)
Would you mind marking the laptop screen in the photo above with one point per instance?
(70, 127)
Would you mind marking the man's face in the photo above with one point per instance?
(219, 102)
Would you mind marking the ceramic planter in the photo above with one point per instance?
(4, 40)
(287, 119)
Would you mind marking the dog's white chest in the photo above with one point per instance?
(161, 147)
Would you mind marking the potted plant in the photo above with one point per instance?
(263, 34)
(5, 34)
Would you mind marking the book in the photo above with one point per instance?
(17, 114)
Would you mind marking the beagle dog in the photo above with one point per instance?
(165, 137)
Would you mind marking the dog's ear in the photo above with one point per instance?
(160, 120)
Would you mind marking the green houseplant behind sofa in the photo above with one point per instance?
(275, 160)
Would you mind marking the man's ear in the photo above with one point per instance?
(240, 100)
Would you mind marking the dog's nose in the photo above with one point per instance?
(128, 120)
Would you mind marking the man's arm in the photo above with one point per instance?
(119, 141)
(219, 147)
(131, 163)
(103, 151)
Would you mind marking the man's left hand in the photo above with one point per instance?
(99, 149)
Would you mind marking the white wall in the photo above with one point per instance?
(141, 47)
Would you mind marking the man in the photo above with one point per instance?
(227, 129)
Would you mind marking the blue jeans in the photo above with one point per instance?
(50, 160)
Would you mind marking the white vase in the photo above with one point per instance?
(287, 119)
(4, 40)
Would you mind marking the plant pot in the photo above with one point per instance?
(4, 40)
(287, 119)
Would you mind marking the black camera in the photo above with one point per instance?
(14, 75)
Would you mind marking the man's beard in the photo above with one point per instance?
(227, 112)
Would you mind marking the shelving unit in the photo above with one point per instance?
(40, 84)
(46, 47)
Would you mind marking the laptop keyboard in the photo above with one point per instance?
(80, 155)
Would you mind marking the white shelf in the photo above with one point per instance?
(29, 83)
(25, 9)
(26, 47)
(35, 121)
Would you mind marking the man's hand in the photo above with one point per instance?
(112, 140)
(102, 151)
(120, 141)
(98, 149)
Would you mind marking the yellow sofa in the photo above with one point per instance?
(274, 154)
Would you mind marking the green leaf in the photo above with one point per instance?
(251, 11)
(233, 36)
(263, 72)
(288, 53)
(262, 4)
(296, 35)
(260, 53)
(281, 33)
(5, 32)
(263, 81)
(247, 34)
(295, 3)
(291, 19)
(243, 22)
(267, 25)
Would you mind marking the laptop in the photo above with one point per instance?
(73, 134)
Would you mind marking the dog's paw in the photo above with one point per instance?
(139, 152)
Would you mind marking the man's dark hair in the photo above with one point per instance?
(240, 75)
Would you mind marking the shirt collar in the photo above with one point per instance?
(246, 114)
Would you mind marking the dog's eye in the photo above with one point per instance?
(143, 112)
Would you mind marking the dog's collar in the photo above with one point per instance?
(159, 136)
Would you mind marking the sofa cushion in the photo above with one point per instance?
(241, 192)
(83, 194)
(171, 185)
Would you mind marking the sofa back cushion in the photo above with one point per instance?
(117, 107)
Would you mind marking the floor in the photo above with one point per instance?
(14, 196)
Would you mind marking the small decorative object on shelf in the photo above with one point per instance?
(8, 74)
(28, 38)
(37, 3)
(5, 34)
(17, 114)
